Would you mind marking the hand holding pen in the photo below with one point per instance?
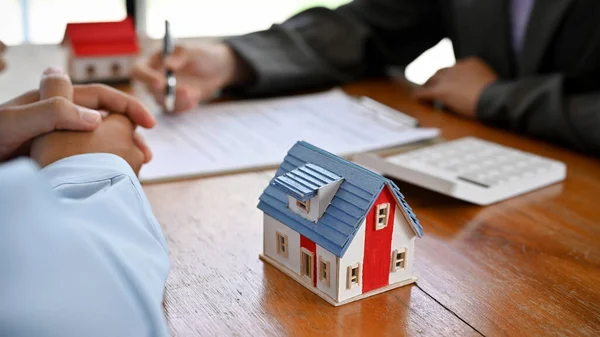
(202, 71)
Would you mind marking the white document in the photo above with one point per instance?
(237, 136)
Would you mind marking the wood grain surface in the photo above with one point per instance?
(526, 266)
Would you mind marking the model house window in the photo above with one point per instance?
(324, 266)
(306, 263)
(90, 70)
(282, 244)
(381, 216)
(303, 205)
(398, 259)
(115, 69)
(353, 276)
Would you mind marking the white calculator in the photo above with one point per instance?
(470, 169)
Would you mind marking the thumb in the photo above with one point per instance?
(56, 113)
(55, 83)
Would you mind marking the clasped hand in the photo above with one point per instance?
(30, 124)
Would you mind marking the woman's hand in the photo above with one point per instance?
(58, 105)
(115, 135)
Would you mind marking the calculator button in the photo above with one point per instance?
(476, 180)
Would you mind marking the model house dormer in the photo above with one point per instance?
(310, 189)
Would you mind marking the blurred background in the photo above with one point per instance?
(44, 21)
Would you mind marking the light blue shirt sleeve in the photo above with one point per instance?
(81, 253)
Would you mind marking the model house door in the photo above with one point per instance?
(307, 266)
(308, 256)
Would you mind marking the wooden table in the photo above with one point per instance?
(526, 266)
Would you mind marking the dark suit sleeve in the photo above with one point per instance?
(321, 47)
(544, 107)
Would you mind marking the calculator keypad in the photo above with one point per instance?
(479, 162)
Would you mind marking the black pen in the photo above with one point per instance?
(171, 81)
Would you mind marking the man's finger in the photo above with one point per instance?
(437, 77)
(177, 59)
(186, 97)
(138, 156)
(155, 61)
(55, 83)
(56, 113)
(140, 142)
(443, 71)
(149, 76)
(27, 98)
(189, 97)
(2, 62)
(427, 93)
(138, 160)
(433, 80)
(102, 97)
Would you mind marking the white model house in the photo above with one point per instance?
(342, 231)
(101, 51)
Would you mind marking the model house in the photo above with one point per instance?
(342, 231)
(101, 51)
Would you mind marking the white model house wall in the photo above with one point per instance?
(103, 68)
(313, 209)
(354, 255)
(271, 227)
(402, 238)
(318, 204)
(331, 289)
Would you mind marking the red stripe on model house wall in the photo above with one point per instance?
(378, 245)
(311, 247)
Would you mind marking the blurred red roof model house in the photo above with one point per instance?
(101, 51)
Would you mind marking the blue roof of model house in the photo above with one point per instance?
(305, 169)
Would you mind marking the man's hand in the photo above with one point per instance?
(2, 62)
(116, 135)
(201, 72)
(58, 105)
(460, 86)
